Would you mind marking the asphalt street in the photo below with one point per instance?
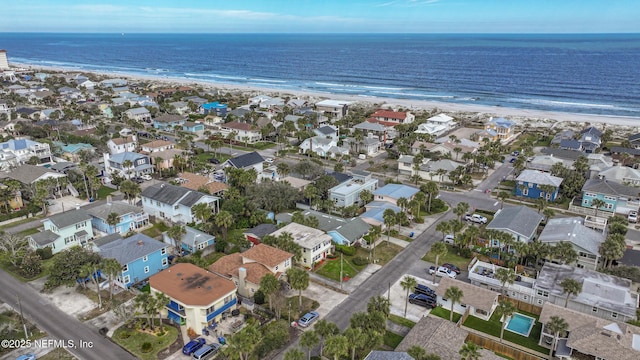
(88, 343)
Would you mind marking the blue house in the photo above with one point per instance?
(618, 198)
(350, 233)
(139, 255)
(392, 192)
(190, 126)
(531, 184)
(192, 241)
(214, 108)
(375, 212)
(130, 217)
(168, 122)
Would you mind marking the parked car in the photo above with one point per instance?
(515, 153)
(269, 160)
(137, 180)
(442, 271)
(308, 318)
(145, 177)
(423, 289)
(193, 345)
(633, 216)
(476, 218)
(452, 267)
(28, 356)
(449, 239)
(214, 161)
(512, 160)
(206, 352)
(422, 300)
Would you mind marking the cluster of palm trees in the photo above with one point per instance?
(91, 271)
(151, 305)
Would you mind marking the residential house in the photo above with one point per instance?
(546, 162)
(590, 139)
(323, 146)
(585, 241)
(130, 217)
(446, 149)
(202, 183)
(175, 203)
(621, 174)
(192, 127)
(497, 129)
(256, 233)
(602, 295)
(157, 146)
(374, 214)
(63, 167)
(244, 132)
(537, 184)
(328, 131)
(617, 198)
(123, 144)
(392, 192)
(315, 244)
(483, 274)
(252, 160)
(396, 117)
(30, 174)
(634, 140)
(72, 152)
(334, 109)
(139, 255)
(247, 269)
(169, 122)
(438, 170)
(140, 164)
(479, 302)
(111, 83)
(348, 193)
(562, 135)
(521, 222)
(192, 241)
(442, 120)
(140, 114)
(297, 103)
(63, 230)
(589, 337)
(371, 129)
(431, 129)
(197, 297)
(352, 232)
(405, 165)
(180, 107)
(213, 108)
(18, 151)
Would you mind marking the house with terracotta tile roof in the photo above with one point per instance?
(247, 269)
(201, 183)
(197, 297)
(244, 132)
(397, 117)
(157, 145)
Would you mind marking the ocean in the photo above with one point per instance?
(591, 74)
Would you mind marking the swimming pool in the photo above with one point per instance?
(520, 324)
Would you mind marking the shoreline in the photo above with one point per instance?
(514, 114)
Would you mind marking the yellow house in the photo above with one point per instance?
(197, 297)
(497, 129)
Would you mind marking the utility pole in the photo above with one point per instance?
(24, 325)
(340, 271)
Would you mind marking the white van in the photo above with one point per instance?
(206, 352)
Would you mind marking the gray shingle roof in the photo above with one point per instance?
(103, 210)
(107, 239)
(327, 130)
(602, 186)
(246, 160)
(354, 229)
(572, 229)
(165, 193)
(539, 178)
(69, 218)
(44, 238)
(262, 230)
(131, 248)
(388, 355)
(27, 174)
(191, 198)
(521, 220)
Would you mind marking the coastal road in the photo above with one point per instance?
(57, 324)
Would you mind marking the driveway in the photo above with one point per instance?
(64, 298)
(399, 296)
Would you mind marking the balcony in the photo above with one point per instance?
(222, 309)
(175, 308)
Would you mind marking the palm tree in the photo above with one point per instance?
(299, 280)
(570, 287)
(325, 329)
(505, 276)
(454, 294)
(244, 342)
(158, 160)
(269, 285)
(356, 339)
(202, 211)
(597, 204)
(309, 340)
(92, 270)
(223, 220)
(469, 351)
(337, 346)
(461, 209)
(177, 232)
(402, 203)
(112, 268)
(565, 252)
(408, 283)
(126, 165)
(430, 189)
(556, 325)
(444, 227)
(112, 221)
(379, 304)
(505, 309)
(417, 352)
(502, 195)
(548, 214)
(160, 302)
(143, 303)
(389, 217)
(419, 198)
(283, 169)
(294, 354)
(438, 249)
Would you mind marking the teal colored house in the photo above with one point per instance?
(130, 217)
(190, 126)
(62, 231)
(617, 198)
(168, 122)
(533, 183)
(140, 256)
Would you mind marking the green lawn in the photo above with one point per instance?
(8, 267)
(156, 230)
(492, 327)
(331, 269)
(383, 254)
(401, 321)
(392, 340)
(451, 257)
(29, 232)
(20, 222)
(136, 338)
(445, 313)
(14, 330)
(104, 191)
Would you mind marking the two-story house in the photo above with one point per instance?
(389, 116)
(214, 108)
(157, 145)
(192, 241)
(617, 198)
(247, 269)
(348, 193)
(175, 203)
(123, 144)
(442, 120)
(19, 151)
(585, 241)
(323, 146)
(537, 184)
(139, 114)
(521, 222)
(315, 244)
(335, 109)
(328, 131)
(127, 164)
(497, 129)
(392, 192)
(140, 256)
(252, 160)
(128, 217)
(64, 230)
(168, 122)
(243, 132)
(197, 297)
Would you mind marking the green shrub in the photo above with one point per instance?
(146, 347)
(347, 250)
(45, 253)
(359, 261)
(466, 253)
(258, 297)
(124, 335)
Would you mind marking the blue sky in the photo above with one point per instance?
(322, 16)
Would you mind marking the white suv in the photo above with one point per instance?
(633, 216)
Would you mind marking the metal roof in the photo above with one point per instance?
(130, 249)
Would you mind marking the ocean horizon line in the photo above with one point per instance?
(117, 32)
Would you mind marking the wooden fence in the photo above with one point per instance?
(523, 305)
(501, 348)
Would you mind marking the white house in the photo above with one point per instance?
(396, 117)
(315, 244)
(18, 151)
(322, 146)
(140, 164)
(140, 114)
(123, 144)
(175, 203)
(243, 132)
(442, 120)
(348, 193)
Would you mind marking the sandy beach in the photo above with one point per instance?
(535, 118)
